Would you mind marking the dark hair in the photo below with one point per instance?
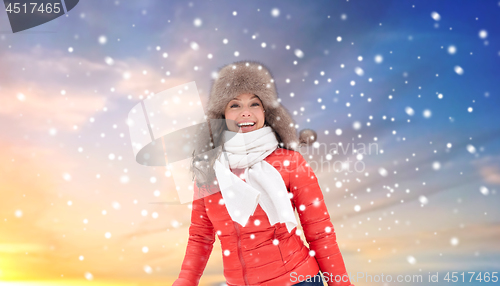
(207, 150)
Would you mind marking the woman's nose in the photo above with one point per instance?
(245, 113)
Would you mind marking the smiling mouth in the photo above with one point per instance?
(246, 124)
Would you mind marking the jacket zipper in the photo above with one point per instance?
(240, 254)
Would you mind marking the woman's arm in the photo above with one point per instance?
(315, 221)
(199, 247)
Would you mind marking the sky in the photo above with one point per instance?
(416, 79)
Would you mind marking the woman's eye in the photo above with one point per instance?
(234, 105)
(255, 104)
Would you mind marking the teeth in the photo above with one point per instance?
(246, 124)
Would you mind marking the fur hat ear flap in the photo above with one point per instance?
(255, 78)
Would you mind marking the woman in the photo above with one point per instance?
(249, 180)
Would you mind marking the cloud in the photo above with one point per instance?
(491, 174)
(46, 89)
(38, 95)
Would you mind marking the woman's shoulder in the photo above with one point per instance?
(282, 154)
(204, 190)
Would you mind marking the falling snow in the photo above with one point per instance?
(409, 95)
(459, 70)
(436, 16)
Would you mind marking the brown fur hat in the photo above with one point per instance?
(253, 77)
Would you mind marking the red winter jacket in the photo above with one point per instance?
(249, 255)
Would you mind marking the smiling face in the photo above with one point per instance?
(244, 113)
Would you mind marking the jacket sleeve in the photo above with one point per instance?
(199, 247)
(315, 220)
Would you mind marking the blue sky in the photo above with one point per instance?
(63, 113)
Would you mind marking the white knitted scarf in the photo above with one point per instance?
(264, 184)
